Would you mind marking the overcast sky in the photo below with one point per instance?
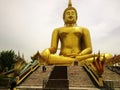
(26, 25)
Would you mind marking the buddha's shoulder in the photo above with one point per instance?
(77, 27)
(82, 27)
(59, 28)
(70, 27)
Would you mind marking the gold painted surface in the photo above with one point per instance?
(75, 42)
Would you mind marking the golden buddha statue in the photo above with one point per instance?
(75, 42)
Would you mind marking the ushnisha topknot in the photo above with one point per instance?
(69, 8)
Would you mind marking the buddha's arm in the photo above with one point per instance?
(86, 40)
(54, 41)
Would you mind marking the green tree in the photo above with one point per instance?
(1, 66)
(7, 59)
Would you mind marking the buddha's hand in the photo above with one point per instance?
(52, 50)
(45, 54)
(73, 55)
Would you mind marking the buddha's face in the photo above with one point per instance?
(70, 16)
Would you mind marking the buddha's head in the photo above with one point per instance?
(70, 14)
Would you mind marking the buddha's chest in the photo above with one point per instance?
(70, 32)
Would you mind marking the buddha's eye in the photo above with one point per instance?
(68, 13)
(72, 13)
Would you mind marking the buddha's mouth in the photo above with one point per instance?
(70, 17)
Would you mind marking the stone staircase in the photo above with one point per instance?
(79, 78)
(58, 79)
(35, 80)
(111, 79)
(67, 77)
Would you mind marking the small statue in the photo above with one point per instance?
(43, 68)
(75, 42)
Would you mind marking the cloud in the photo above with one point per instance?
(27, 25)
